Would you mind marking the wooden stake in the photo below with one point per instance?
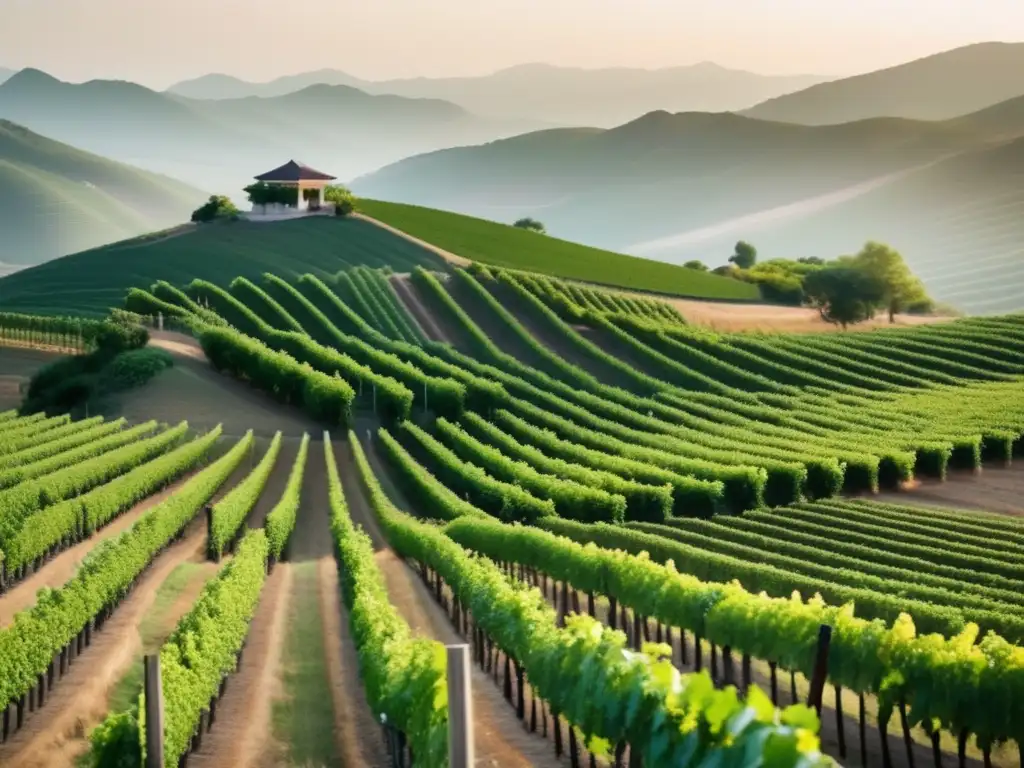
(154, 712)
(460, 708)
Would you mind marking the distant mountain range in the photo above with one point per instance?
(6, 73)
(937, 87)
(220, 145)
(690, 185)
(543, 92)
(55, 199)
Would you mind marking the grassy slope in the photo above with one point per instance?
(491, 243)
(55, 198)
(93, 281)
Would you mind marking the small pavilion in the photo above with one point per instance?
(309, 182)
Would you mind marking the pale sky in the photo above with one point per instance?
(158, 42)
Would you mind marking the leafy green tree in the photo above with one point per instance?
(342, 197)
(262, 193)
(901, 288)
(844, 295)
(531, 224)
(700, 266)
(217, 207)
(744, 255)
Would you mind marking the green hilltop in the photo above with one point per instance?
(55, 198)
(91, 282)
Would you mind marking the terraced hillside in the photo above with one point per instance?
(504, 397)
(578, 440)
(226, 607)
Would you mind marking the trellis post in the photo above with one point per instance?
(154, 711)
(820, 668)
(460, 708)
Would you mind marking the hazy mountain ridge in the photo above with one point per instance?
(698, 182)
(55, 198)
(544, 92)
(937, 87)
(220, 145)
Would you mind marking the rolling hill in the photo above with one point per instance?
(679, 187)
(5, 73)
(220, 145)
(664, 173)
(55, 198)
(91, 282)
(936, 87)
(543, 92)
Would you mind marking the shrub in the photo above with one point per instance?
(217, 207)
(342, 197)
(531, 224)
(134, 368)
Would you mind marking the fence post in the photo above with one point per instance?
(460, 708)
(820, 668)
(154, 712)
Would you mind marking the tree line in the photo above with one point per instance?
(845, 290)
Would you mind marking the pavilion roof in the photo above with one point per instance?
(293, 171)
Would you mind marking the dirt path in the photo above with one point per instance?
(726, 317)
(416, 308)
(241, 735)
(993, 489)
(276, 483)
(501, 740)
(178, 344)
(79, 700)
(356, 730)
(59, 571)
(544, 331)
(357, 734)
(446, 255)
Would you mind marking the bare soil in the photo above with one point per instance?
(766, 317)
(500, 739)
(542, 330)
(241, 735)
(22, 362)
(993, 489)
(193, 391)
(428, 323)
(53, 737)
(492, 324)
(356, 731)
(178, 344)
(60, 569)
(276, 483)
